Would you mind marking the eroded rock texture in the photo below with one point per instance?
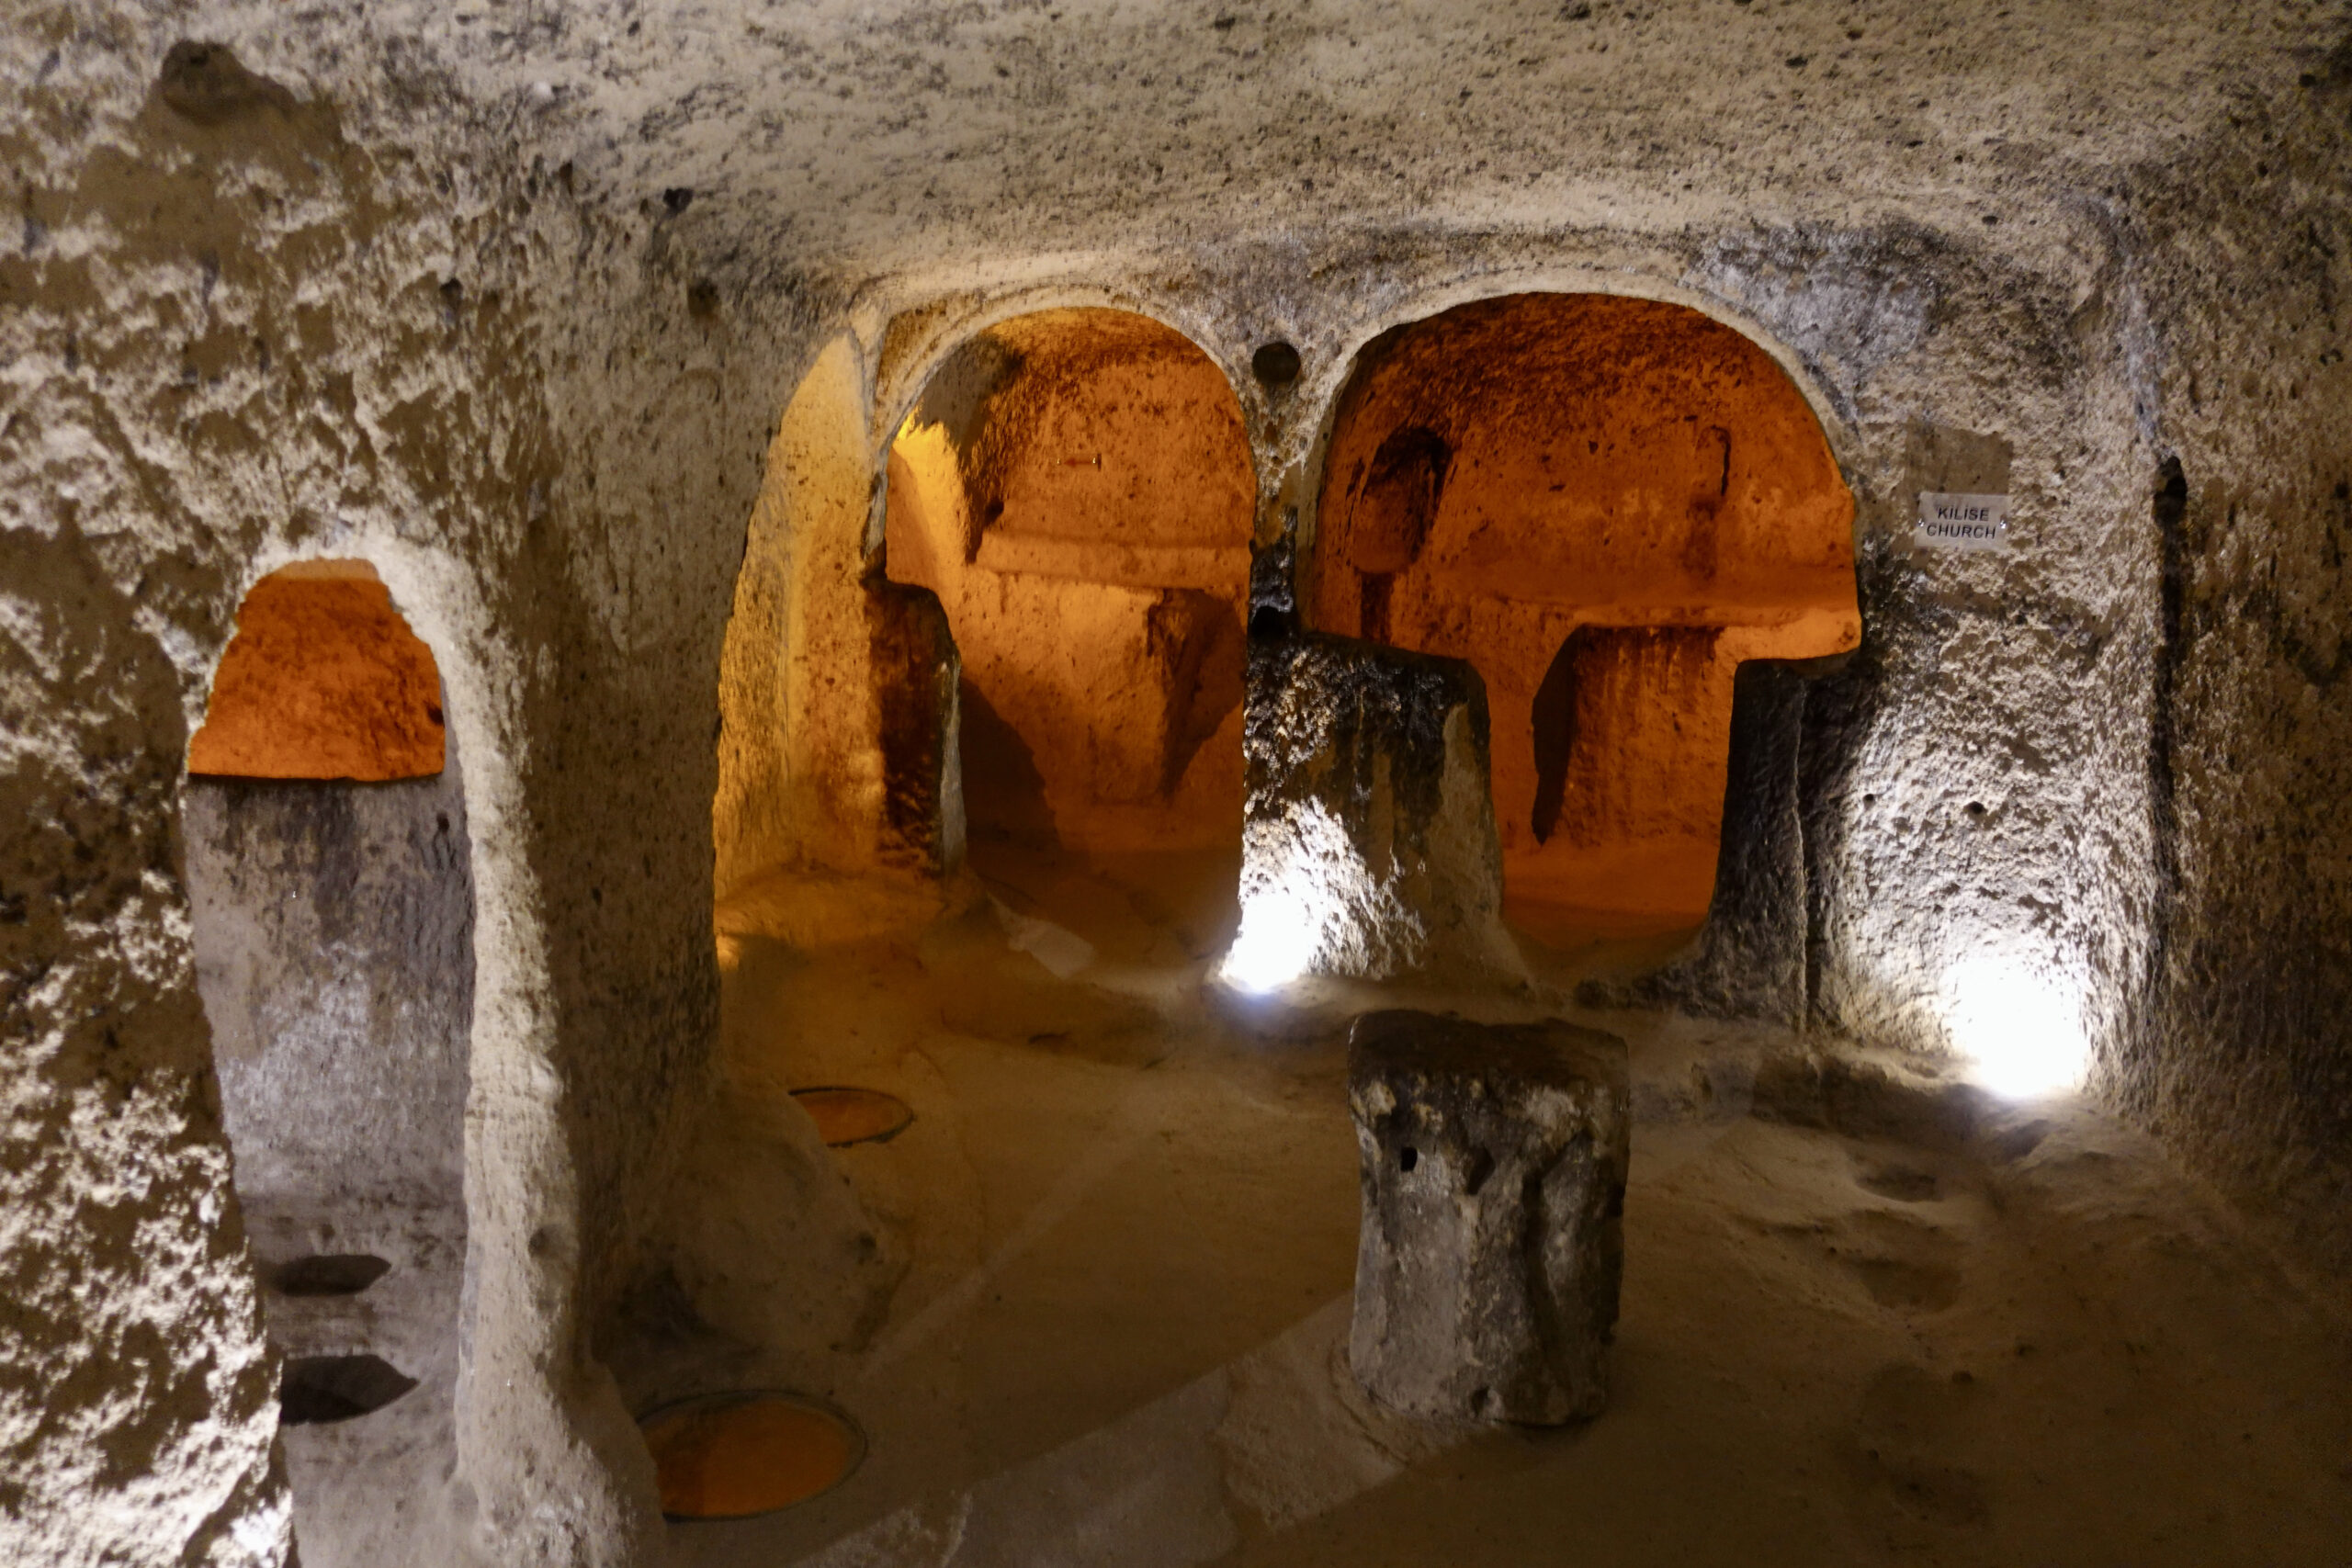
(1369, 830)
(509, 306)
(334, 951)
(240, 337)
(1494, 1162)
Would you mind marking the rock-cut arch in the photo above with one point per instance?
(331, 892)
(1076, 486)
(1606, 504)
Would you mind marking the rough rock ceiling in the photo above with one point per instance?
(859, 139)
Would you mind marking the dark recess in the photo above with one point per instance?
(331, 1274)
(1276, 365)
(2170, 510)
(318, 1390)
(206, 83)
(1555, 736)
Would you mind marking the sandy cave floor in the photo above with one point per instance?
(1129, 1230)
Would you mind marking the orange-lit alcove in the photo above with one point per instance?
(332, 919)
(322, 681)
(1605, 504)
(1076, 487)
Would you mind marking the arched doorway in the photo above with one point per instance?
(1605, 504)
(1076, 487)
(1071, 496)
(333, 921)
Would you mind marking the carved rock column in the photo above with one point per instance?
(1494, 1162)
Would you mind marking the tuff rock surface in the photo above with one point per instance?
(508, 302)
(1494, 1162)
(1368, 830)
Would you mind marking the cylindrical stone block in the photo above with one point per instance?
(1494, 1162)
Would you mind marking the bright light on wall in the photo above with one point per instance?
(2021, 1030)
(1310, 905)
(1296, 873)
(1276, 941)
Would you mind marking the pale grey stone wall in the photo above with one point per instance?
(2243, 1055)
(334, 931)
(333, 934)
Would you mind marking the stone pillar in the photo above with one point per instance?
(1368, 834)
(1493, 1163)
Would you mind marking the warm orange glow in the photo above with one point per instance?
(1077, 488)
(846, 1116)
(1606, 505)
(731, 1458)
(322, 681)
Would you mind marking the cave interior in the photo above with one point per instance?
(728, 855)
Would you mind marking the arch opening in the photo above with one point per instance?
(955, 732)
(330, 885)
(1076, 486)
(323, 681)
(1606, 505)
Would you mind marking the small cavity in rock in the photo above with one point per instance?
(318, 1390)
(331, 1274)
(1276, 365)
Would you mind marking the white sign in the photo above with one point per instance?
(1963, 522)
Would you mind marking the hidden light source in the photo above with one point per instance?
(734, 1455)
(2021, 1030)
(1276, 941)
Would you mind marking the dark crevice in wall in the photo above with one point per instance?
(320, 1390)
(917, 677)
(1556, 734)
(330, 1274)
(1800, 909)
(2170, 509)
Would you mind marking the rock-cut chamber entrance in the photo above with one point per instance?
(1606, 505)
(331, 895)
(1076, 487)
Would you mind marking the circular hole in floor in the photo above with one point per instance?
(317, 1390)
(330, 1274)
(731, 1456)
(846, 1116)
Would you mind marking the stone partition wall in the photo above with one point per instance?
(300, 297)
(333, 924)
(1972, 780)
(800, 776)
(1368, 846)
(2243, 1056)
(1751, 958)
